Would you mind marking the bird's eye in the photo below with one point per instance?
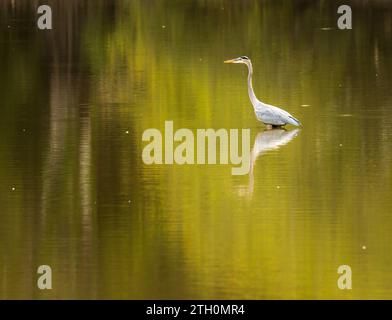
(244, 57)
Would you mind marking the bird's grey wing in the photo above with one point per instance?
(270, 116)
(281, 116)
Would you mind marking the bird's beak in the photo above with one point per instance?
(229, 61)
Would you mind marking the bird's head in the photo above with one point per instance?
(242, 59)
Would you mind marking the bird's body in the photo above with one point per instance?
(274, 116)
(266, 113)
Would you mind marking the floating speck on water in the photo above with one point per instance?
(9, 27)
(127, 132)
(305, 105)
(24, 130)
(129, 201)
(363, 247)
(13, 188)
(340, 145)
(277, 187)
(163, 27)
(345, 115)
(326, 28)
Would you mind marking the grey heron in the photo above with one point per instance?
(269, 115)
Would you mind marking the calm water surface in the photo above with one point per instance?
(75, 194)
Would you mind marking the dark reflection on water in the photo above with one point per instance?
(75, 194)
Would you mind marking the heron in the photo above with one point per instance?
(271, 116)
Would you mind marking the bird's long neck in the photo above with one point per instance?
(251, 93)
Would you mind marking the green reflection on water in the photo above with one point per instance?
(76, 100)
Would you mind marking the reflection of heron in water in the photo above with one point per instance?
(269, 115)
(266, 141)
